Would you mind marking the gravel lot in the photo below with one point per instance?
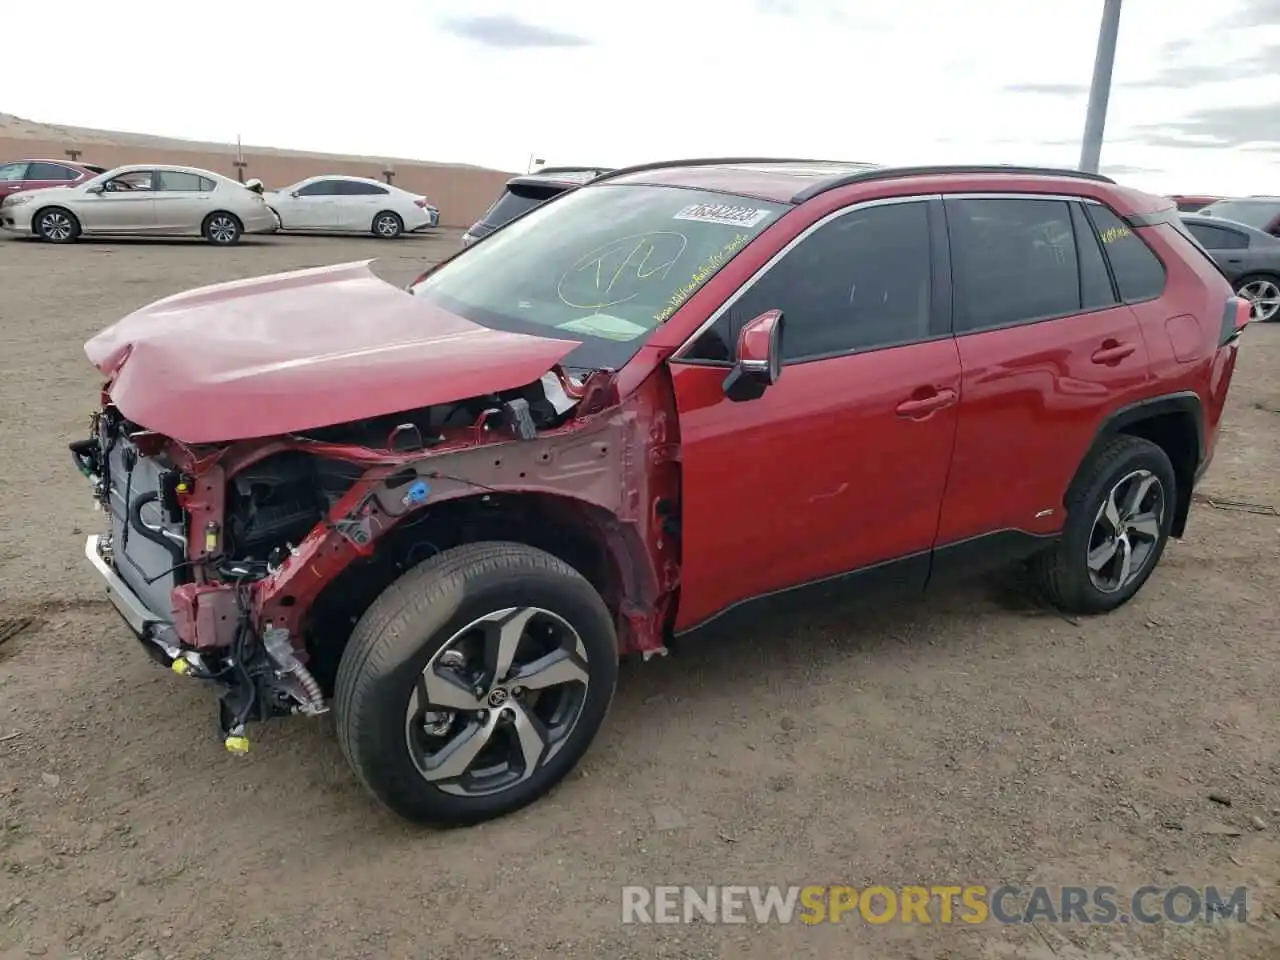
(971, 739)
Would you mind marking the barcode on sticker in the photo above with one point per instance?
(722, 213)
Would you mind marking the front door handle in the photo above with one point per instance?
(922, 406)
(1113, 352)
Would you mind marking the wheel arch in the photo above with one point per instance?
(37, 214)
(1175, 423)
(609, 554)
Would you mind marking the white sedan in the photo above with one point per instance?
(351, 204)
(146, 199)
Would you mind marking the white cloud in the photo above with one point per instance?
(920, 81)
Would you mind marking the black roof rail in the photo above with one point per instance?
(705, 162)
(893, 173)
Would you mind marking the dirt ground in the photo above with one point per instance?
(973, 739)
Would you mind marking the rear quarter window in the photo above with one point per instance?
(1138, 271)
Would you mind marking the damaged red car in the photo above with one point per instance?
(445, 512)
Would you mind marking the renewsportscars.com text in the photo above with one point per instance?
(970, 904)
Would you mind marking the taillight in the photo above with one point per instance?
(1236, 315)
(421, 203)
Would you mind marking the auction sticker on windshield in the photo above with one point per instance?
(722, 213)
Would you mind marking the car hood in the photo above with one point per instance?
(66, 193)
(301, 350)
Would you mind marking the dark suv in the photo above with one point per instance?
(679, 391)
(523, 193)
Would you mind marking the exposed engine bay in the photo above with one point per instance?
(251, 561)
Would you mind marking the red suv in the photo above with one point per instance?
(34, 174)
(671, 394)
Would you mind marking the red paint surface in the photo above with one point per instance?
(278, 354)
(16, 186)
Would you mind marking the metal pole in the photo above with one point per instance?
(1100, 90)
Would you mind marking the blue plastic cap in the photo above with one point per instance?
(417, 493)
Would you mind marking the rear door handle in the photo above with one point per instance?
(1113, 352)
(923, 406)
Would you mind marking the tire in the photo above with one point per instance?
(413, 627)
(1063, 572)
(55, 225)
(1261, 286)
(222, 229)
(387, 225)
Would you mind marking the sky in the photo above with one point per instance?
(1195, 101)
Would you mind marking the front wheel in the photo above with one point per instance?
(1117, 526)
(222, 229)
(57, 225)
(475, 683)
(388, 225)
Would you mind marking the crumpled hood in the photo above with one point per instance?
(301, 350)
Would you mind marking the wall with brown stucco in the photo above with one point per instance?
(461, 193)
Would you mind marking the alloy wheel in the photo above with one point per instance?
(497, 701)
(1265, 297)
(56, 226)
(1126, 531)
(222, 229)
(387, 226)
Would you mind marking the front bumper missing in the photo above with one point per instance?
(147, 625)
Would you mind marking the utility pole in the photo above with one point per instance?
(1100, 90)
(240, 162)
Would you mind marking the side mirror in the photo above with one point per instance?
(758, 362)
(95, 188)
(296, 194)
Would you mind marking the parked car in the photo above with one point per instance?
(333, 204)
(141, 199)
(1261, 213)
(1249, 258)
(1192, 203)
(37, 174)
(673, 394)
(521, 194)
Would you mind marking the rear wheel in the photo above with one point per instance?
(56, 225)
(1117, 526)
(222, 229)
(475, 683)
(388, 225)
(1264, 294)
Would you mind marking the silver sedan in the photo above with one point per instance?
(141, 199)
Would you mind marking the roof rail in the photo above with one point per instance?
(703, 162)
(893, 173)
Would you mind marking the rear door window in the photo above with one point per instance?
(13, 171)
(180, 181)
(321, 188)
(357, 188)
(1013, 261)
(1218, 238)
(51, 171)
(1139, 273)
(1096, 289)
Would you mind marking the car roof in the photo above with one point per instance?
(174, 167)
(560, 176)
(1226, 222)
(795, 181)
(63, 162)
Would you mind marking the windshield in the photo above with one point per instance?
(1253, 213)
(605, 265)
